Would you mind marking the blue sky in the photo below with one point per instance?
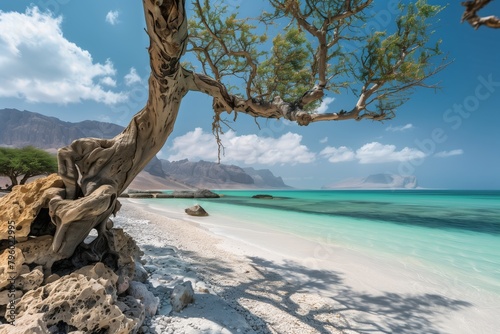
(79, 60)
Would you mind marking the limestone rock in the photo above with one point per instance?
(24, 203)
(105, 276)
(11, 263)
(31, 280)
(128, 252)
(39, 251)
(182, 295)
(85, 303)
(32, 324)
(6, 296)
(132, 308)
(197, 211)
(141, 275)
(141, 292)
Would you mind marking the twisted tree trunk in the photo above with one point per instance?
(95, 171)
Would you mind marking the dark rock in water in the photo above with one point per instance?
(164, 196)
(260, 196)
(196, 211)
(141, 195)
(205, 193)
(183, 194)
(132, 191)
(200, 193)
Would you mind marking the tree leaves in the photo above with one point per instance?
(26, 162)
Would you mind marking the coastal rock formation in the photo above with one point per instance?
(85, 300)
(45, 290)
(196, 211)
(22, 207)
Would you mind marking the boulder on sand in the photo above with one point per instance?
(197, 211)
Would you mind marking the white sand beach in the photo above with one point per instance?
(251, 280)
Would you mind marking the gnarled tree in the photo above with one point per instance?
(325, 47)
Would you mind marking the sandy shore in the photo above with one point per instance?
(257, 281)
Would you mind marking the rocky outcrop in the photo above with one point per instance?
(23, 205)
(97, 289)
(86, 300)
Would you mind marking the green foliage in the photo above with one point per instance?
(285, 72)
(332, 44)
(402, 59)
(26, 162)
(224, 45)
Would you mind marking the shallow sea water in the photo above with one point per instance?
(453, 234)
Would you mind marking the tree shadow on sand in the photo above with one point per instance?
(287, 288)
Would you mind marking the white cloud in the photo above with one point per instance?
(132, 77)
(340, 154)
(247, 149)
(376, 152)
(39, 65)
(371, 153)
(324, 140)
(323, 107)
(401, 128)
(108, 81)
(446, 154)
(112, 17)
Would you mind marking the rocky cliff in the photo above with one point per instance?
(204, 174)
(26, 128)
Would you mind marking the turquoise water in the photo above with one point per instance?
(452, 234)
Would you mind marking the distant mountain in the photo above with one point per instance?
(23, 128)
(264, 178)
(377, 181)
(204, 174)
(26, 128)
